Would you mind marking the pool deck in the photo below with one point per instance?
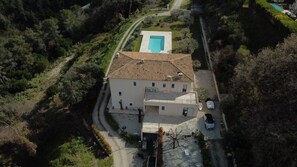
(146, 39)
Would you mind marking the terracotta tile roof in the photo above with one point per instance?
(152, 66)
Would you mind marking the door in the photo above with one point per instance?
(184, 88)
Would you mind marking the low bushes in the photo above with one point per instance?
(206, 158)
(276, 16)
(129, 138)
(101, 139)
(111, 121)
(160, 148)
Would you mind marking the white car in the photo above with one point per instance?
(209, 122)
(210, 104)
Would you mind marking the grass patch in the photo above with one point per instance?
(186, 4)
(161, 24)
(73, 152)
(106, 162)
(136, 44)
(175, 28)
(171, 3)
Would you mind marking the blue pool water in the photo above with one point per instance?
(156, 44)
(278, 8)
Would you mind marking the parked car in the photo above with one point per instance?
(210, 104)
(209, 121)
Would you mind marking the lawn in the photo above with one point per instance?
(177, 28)
(136, 44)
(107, 162)
(162, 24)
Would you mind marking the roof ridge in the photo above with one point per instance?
(182, 56)
(180, 69)
(123, 65)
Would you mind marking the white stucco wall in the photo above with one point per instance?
(175, 109)
(135, 94)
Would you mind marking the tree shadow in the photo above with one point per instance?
(51, 126)
(177, 26)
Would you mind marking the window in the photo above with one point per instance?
(164, 85)
(134, 83)
(172, 86)
(120, 93)
(153, 84)
(163, 108)
(130, 104)
(185, 111)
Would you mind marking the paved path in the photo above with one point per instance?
(120, 154)
(117, 144)
(217, 152)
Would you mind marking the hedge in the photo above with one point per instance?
(101, 139)
(129, 137)
(111, 121)
(206, 157)
(160, 148)
(276, 17)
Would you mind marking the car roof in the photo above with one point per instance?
(209, 118)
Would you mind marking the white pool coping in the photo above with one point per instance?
(146, 39)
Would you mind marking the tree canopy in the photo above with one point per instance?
(266, 89)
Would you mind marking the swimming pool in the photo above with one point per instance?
(278, 8)
(156, 44)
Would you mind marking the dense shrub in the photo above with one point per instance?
(129, 137)
(113, 123)
(52, 90)
(278, 18)
(101, 139)
(149, 21)
(204, 150)
(196, 65)
(72, 153)
(160, 148)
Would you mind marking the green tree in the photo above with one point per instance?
(35, 40)
(49, 29)
(187, 45)
(266, 89)
(77, 83)
(175, 14)
(242, 53)
(149, 21)
(196, 65)
(4, 22)
(70, 23)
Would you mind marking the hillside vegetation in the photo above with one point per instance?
(263, 107)
(51, 69)
(255, 65)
